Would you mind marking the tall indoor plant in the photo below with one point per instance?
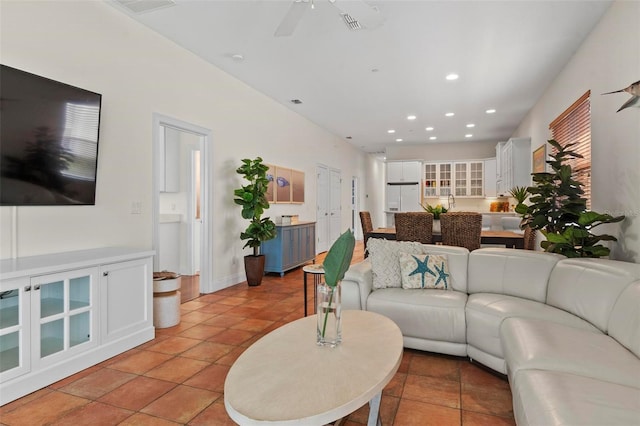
(559, 210)
(253, 200)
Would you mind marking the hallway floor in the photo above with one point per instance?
(178, 378)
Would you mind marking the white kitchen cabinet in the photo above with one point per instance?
(403, 171)
(490, 178)
(64, 312)
(468, 179)
(462, 179)
(515, 165)
(169, 174)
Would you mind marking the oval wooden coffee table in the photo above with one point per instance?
(286, 379)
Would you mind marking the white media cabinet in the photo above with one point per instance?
(61, 313)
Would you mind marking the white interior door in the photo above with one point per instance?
(335, 207)
(322, 209)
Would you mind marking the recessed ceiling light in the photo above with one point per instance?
(411, 117)
(468, 135)
(391, 131)
(432, 138)
(399, 140)
(490, 111)
(452, 77)
(470, 125)
(449, 114)
(429, 129)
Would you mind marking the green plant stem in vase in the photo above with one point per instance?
(335, 266)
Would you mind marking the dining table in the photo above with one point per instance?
(509, 239)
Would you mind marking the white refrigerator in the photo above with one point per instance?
(403, 197)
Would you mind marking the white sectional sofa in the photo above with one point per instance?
(565, 331)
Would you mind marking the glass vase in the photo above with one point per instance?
(329, 315)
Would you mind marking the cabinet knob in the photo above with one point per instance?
(105, 274)
(37, 287)
(27, 288)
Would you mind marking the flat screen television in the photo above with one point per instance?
(48, 141)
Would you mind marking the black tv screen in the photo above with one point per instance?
(48, 141)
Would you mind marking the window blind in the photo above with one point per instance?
(574, 126)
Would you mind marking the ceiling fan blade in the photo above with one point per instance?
(369, 17)
(291, 19)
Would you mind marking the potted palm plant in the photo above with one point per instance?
(252, 198)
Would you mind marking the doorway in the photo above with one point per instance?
(329, 207)
(181, 200)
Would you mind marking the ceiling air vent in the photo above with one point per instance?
(142, 6)
(351, 23)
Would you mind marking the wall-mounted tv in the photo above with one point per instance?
(48, 141)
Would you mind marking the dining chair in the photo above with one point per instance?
(529, 238)
(461, 229)
(414, 226)
(367, 226)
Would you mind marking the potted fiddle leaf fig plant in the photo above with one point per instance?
(559, 211)
(252, 198)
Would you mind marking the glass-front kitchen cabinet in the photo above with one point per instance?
(461, 179)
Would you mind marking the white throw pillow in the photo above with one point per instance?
(385, 260)
(425, 271)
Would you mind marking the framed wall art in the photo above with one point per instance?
(297, 186)
(283, 185)
(539, 159)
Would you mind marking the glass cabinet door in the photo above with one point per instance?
(14, 328)
(64, 308)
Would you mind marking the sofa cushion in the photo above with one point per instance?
(589, 288)
(431, 314)
(533, 344)
(545, 398)
(522, 273)
(624, 323)
(384, 256)
(485, 312)
(424, 271)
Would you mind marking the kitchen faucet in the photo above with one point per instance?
(451, 201)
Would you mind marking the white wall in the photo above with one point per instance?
(609, 59)
(96, 47)
(477, 150)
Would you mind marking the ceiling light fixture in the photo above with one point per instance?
(429, 129)
(411, 117)
(450, 114)
(432, 138)
(470, 125)
(399, 140)
(391, 131)
(468, 135)
(452, 77)
(490, 111)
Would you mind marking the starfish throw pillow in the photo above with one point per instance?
(424, 271)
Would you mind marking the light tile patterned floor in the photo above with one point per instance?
(178, 378)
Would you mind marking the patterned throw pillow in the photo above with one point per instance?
(425, 271)
(385, 263)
